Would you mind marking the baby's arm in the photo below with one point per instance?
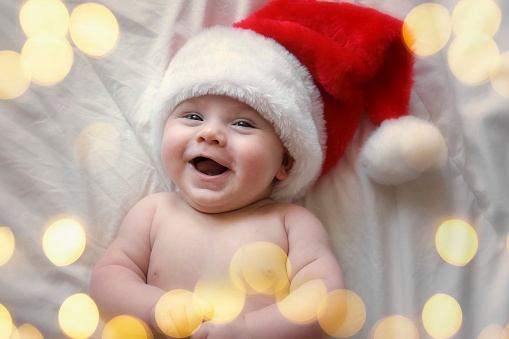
(118, 284)
(311, 264)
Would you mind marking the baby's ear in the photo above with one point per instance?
(285, 168)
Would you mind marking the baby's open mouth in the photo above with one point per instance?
(208, 166)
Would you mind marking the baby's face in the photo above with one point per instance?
(221, 153)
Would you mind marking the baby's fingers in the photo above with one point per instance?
(178, 314)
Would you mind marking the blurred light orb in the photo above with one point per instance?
(170, 317)
(471, 56)
(394, 327)
(260, 267)
(499, 74)
(442, 316)
(342, 313)
(7, 244)
(126, 327)
(225, 300)
(78, 316)
(493, 331)
(49, 57)
(15, 75)
(302, 305)
(64, 242)
(476, 15)
(94, 29)
(427, 28)
(27, 331)
(96, 146)
(456, 242)
(38, 16)
(6, 326)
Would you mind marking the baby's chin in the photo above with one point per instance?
(214, 205)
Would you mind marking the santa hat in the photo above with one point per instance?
(310, 68)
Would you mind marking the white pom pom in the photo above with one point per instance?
(401, 149)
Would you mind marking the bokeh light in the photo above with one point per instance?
(225, 300)
(78, 316)
(427, 28)
(341, 313)
(7, 244)
(14, 75)
(499, 74)
(49, 57)
(6, 325)
(302, 305)
(476, 15)
(96, 146)
(493, 331)
(126, 327)
(94, 29)
(178, 313)
(38, 16)
(64, 242)
(442, 316)
(456, 242)
(260, 267)
(394, 327)
(507, 243)
(28, 331)
(471, 56)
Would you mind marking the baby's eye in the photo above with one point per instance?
(243, 123)
(193, 116)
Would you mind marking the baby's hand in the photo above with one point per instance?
(234, 329)
(179, 313)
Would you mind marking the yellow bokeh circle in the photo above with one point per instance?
(394, 327)
(471, 55)
(499, 74)
(49, 57)
(94, 29)
(493, 331)
(6, 326)
(178, 313)
(225, 299)
(97, 146)
(78, 316)
(27, 331)
(456, 242)
(15, 75)
(260, 267)
(442, 316)
(427, 28)
(303, 304)
(476, 15)
(341, 313)
(38, 16)
(7, 243)
(126, 327)
(64, 242)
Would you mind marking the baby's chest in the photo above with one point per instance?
(182, 256)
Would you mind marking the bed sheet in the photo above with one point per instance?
(83, 150)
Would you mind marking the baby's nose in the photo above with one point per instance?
(211, 134)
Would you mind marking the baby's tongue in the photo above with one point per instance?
(210, 167)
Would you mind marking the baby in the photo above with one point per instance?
(242, 137)
(225, 158)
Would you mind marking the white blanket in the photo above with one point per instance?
(82, 149)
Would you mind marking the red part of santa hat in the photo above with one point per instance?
(309, 67)
(356, 57)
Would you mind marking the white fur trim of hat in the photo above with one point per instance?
(258, 71)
